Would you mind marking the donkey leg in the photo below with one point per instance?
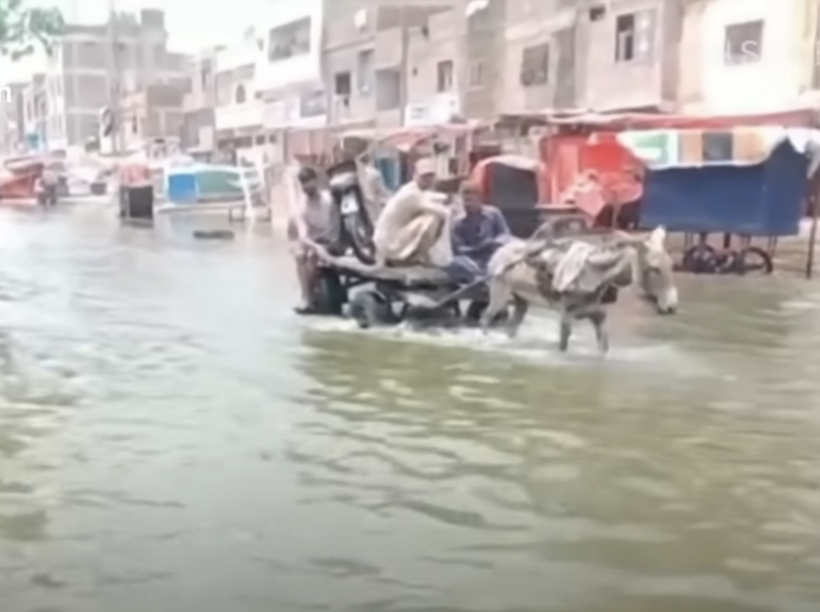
(598, 320)
(500, 295)
(520, 308)
(566, 331)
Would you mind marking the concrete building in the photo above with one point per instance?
(12, 117)
(389, 64)
(289, 76)
(84, 74)
(754, 57)
(198, 129)
(238, 113)
(35, 112)
(532, 55)
(153, 113)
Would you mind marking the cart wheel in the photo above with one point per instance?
(700, 259)
(754, 260)
(727, 262)
(369, 308)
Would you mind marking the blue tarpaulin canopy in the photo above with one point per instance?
(743, 181)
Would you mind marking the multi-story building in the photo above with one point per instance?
(12, 117)
(92, 65)
(153, 113)
(757, 57)
(390, 63)
(35, 112)
(534, 55)
(238, 113)
(198, 106)
(289, 75)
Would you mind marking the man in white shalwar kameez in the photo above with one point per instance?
(414, 227)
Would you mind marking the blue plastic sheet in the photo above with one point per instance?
(182, 188)
(765, 199)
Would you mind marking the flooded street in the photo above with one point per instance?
(173, 439)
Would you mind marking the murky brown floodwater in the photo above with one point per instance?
(172, 439)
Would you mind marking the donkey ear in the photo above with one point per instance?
(657, 239)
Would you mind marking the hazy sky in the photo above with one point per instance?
(192, 24)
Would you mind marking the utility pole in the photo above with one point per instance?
(114, 77)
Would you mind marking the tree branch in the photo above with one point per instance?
(24, 28)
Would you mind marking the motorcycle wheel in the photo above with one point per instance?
(359, 231)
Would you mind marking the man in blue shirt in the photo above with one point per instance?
(476, 236)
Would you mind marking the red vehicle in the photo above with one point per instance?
(19, 177)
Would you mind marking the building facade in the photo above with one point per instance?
(94, 64)
(381, 61)
(238, 111)
(198, 130)
(153, 114)
(757, 57)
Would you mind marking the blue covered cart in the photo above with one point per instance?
(746, 182)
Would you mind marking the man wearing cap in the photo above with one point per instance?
(476, 236)
(413, 223)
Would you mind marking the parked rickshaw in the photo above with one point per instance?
(511, 184)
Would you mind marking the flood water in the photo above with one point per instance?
(173, 439)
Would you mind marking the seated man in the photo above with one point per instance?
(476, 236)
(413, 228)
(314, 223)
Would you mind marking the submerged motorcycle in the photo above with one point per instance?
(356, 225)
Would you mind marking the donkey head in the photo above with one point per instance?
(655, 271)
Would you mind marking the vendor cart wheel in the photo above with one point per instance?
(329, 295)
(754, 260)
(700, 259)
(369, 308)
(360, 231)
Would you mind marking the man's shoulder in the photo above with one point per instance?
(492, 212)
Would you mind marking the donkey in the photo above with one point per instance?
(579, 277)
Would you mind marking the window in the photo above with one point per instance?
(364, 71)
(241, 95)
(743, 43)
(634, 34)
(476, 74)
(535, 65)
(289, 40)
(342, 84)
(313, 105)
(444, 76)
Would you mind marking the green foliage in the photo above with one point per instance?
(23, 28)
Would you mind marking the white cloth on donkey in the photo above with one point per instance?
(571, 266)
(414, 229)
